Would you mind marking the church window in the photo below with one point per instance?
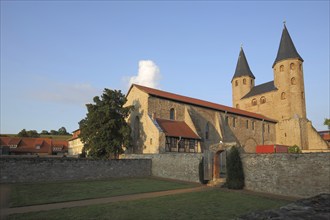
(150, 141)
(234, 122)
(281, 68)
(253, 124)
(136, 130)
(244, 81)
(247, 124)
(226, 120)
(293, 81)
(268, 129)
(292, 66)
(237, 105)
(254, 101)
(283, 96)
(172, 114)
(207, 129)
(251, 82)
(300, 67)
(262, 100)
(236, 83)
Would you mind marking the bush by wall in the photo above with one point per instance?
(235, 175)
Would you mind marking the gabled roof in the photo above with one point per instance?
(260, 89)
(200, 103)
(242, 67)
(286, 49)
(173, 128)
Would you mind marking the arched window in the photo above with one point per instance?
(281, 68)
(292, 66)
(251, 82)
(136, 128)
(254, 101)
(293, 81)
(262, 100)
(300, 66)
(283, 96)
(244, 81)
(236, 83)
(207, 130)
(237, 105)
(172, 114)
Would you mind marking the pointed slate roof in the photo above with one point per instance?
(286, 49)
(242, 67)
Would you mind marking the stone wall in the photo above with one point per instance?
(39, 169)
(300, 175)
(179, 166)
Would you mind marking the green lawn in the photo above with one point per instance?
(211, 204)
(41, 193)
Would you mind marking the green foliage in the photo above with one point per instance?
(327, 122)
(104, 130)
(294, 149)
(53, 132)
(25, 133)
(235, 175)
(44, 132)
(62, 131)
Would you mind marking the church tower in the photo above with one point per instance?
(243, 79)
(289, 80)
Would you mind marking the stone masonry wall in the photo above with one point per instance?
(179, 166)
(34, 169)
(300, 175)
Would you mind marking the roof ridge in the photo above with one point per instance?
(201, 103)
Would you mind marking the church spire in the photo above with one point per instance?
(286, 49)
(242, 67)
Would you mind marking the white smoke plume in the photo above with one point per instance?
(148, 74)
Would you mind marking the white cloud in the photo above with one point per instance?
(148, 74)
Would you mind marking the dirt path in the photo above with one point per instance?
(5, 211)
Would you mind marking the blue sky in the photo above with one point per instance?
(57, 55)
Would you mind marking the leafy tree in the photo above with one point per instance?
(327, 122)
(104, 130)
(44, 132)
(23, 133)
(62, 131)
(235, 175)
(33, 133)
(53, 132)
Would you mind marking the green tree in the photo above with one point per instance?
(53, 132)
(235, 175)
(327, 122)
(33, 133)
(23, 133)
(44, 132)
(62, 131)
(104, 130)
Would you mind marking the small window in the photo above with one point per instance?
(283, 96)
(150, 141)
(207, 129)
(237, 105)
(268, 128)
(300, 67)
(234, 122)
(302, 95)
(172, 114)
(293, 81)
(236, 83)
(253, 124)
(251, 82)
(244, 81)
(292, 66)
(281, 68)
(262, 100)
(226, 120)
(254, 101)
(247, 124)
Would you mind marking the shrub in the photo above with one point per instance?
(294, 149)
(235, 175)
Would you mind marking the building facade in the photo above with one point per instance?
(282, 99)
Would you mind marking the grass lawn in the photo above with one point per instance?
(41, 193)
(211, 204)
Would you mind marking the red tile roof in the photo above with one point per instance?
(176, 129)
(33, 145)
(201, 103)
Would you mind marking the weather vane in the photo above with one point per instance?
(284, 22)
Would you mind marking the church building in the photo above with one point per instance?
(265, 114)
